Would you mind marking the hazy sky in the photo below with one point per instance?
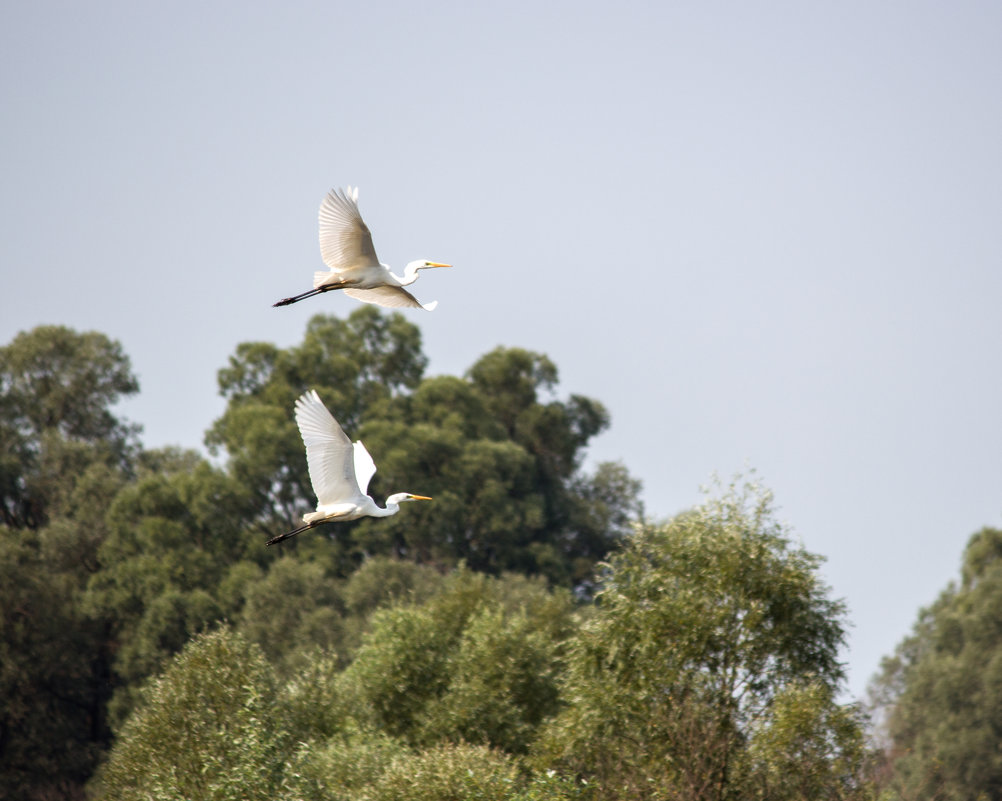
(764, 234)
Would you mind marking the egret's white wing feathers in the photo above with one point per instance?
(347, 250)
(340, 472)
(392, 297)
(345, 241)
(329, 453)
(365, 468)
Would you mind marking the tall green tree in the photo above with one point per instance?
(502, 458)
(499, 454)
(939, 696)
(179, 536)
(112, 558)
(64, 454)
(356, 364)
(57, 388)
(703, 626)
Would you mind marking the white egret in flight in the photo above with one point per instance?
(340, 473)
(346, 248)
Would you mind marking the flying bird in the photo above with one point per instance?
(340, 472)
(346, 248)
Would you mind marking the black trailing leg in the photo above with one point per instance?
(303, 295)
(292, 533)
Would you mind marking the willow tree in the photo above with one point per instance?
(680, 685)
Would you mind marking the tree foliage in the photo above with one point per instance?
(220, 724)
(703, 626)
(174, 535)
(57, 388)
(707, 670)
(51, 669)
(63, 456)
(204, 730)
(940, 694)
(500, 458)
(450, 652)
(477, 663)
(357, 365)
(808, 747)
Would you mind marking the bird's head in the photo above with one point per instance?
(401, 497)
(410, 271)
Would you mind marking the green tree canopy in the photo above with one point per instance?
(498, 453)
(204, 730)
(113, 558)
(477, 662)
(707, 670)
(702, 625)
(221, 723)
(64, 455)
(355, 364)
(176, 537)
(939, 695)
(57, 388)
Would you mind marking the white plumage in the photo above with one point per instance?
(347, 250)
(339, 471)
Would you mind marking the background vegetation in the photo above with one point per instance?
(526, 636)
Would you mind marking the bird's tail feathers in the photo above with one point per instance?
(322, 277)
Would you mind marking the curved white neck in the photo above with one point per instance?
(392, 505)
(410, 273)
(391, 509)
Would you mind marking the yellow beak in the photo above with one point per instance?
(438, 264)
(420, 497)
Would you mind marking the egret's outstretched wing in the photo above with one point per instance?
(392, 297)
(328, 452)
(365, 468)
(345, 241)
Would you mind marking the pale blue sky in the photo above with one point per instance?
(764, 234)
